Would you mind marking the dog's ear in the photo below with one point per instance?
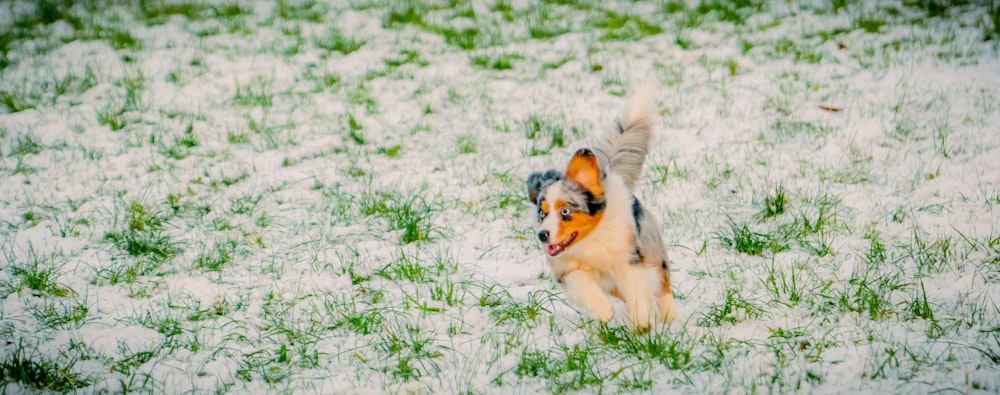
(538, 181)
(583, 170)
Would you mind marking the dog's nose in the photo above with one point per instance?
(543, 235)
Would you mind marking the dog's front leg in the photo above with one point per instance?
(582, 288)
(634, 285)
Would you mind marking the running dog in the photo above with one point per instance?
(600, 240)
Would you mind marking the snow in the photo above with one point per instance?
(910, 153)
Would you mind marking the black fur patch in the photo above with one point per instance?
(594, 204)
(636, 257)
(664, 263)
(538, 181)
(582, 200)
(637, 214)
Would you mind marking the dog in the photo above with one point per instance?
(600, 239)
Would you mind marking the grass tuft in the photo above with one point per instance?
(218, 257)
(773, 204)
(735, 12)
(565, 369)
(544, 135)
(301, 10)
(336, 41)
(741, 239)
(498, 62)
(673, 350)
(410, 215)
(619, 27)
(254, 94)
(36, 273)
(26, 145)
(27, 367)
(141, 235)
(733, 309)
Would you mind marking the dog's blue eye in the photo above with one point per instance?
(541, 215)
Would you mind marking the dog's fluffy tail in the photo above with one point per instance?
(625, 145)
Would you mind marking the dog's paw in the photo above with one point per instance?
(604, 312)
(641, 323)
(668, 309)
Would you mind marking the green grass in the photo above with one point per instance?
(117, 37)
(410, 215)
(464, 38)
(415, 353)
(159, 12)
(405, 57)
(410, 14)
(267, 134)
(113, 116)
(733, 309)
(72, 84)
(354, 130)
(118, 111)
(466, 144)
(413, 217)
(565, 369)
(322, 81)
(48, 90)
(741, 239)
(614, 83)
(359, 95)
(27, 367)
(506, 310)
(543, 24)
(871, 291)
(19, 101)
(789, 129)
(56, 314)
(991, 29)
(544, 134)
(405, 268)
(335, 41)
(497, 62)
(673, 350)
(619, 27)
(35, 272)
(735, 12)
(870, 23)
(140, 234)
(26, 145)
(254, 94)
(220, 256)
(773, 205)
(301, 10)
(182, 146)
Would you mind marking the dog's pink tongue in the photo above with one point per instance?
(553, 249)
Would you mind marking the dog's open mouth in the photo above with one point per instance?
(555, 249)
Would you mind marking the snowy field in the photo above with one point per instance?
(302, 197)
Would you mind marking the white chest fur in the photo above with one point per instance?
(610, 244)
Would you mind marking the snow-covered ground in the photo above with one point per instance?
(329, 198)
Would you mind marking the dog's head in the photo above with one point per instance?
(570, 204)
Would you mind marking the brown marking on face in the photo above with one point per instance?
(544, 207)
(584, 171)
(664, 281)
(580, 222)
